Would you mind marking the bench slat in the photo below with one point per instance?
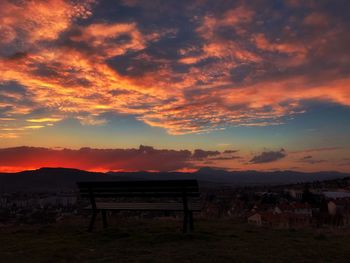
(195, 206)
(111, 195)
(132, 189)
(139, 189)
(170, 188)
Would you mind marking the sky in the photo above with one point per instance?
(175, 85)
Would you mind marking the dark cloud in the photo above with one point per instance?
(132, 65)
(306, 157)
(14, 95)
(12, 87)
(323, 149)
(17, 56)
(267, 157)
(310, 160)
(225, 158)
(230, 151)
(201, 154)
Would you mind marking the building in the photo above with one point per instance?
(339, 210)
(296, 194)
(294, 208)
(336, 195)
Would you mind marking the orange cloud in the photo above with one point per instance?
(296, 51)
(230, 50)
(101, 36)
(263, 43)
(316, 19)
(34, 21)
(66, 69)
(233, 17)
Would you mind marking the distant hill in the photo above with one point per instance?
(265, 178)
(64, 179)
(45, 179)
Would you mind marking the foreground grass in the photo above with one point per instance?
(162, 241)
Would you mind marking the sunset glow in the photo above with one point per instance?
(240, 85)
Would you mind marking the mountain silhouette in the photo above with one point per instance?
(64, 179)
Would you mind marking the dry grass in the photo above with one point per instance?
(132, 240)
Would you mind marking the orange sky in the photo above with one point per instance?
(177, 76)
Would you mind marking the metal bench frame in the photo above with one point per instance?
(180, 189)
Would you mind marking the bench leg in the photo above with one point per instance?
(92, 221)
(191, 221)
(185, 222)
(104, 218)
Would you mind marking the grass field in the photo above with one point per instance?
(161, 240)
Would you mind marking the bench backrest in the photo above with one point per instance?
(152, 188)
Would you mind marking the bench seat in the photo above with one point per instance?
(194, 206)
(162, 195)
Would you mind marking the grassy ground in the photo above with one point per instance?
(134, 240)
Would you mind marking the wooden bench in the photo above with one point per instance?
(180, 195)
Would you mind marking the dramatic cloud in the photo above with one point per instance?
(267, 157)
(24, 23)
(185, 67)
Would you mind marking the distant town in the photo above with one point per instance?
(308, 204)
